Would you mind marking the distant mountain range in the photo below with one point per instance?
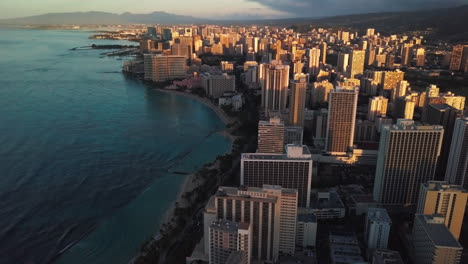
(446, 23)
(101, 18)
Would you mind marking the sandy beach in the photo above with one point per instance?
(191, 182)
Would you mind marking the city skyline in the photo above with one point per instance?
(226, 10)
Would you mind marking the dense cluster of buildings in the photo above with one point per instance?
(348, 92)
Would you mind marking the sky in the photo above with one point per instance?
(216, 9)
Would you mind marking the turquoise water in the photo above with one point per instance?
(86, 154)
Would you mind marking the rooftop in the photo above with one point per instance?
(307, 218)
(438, 232)
(443, 186)
(293, 152)
(378, 215)
(224, 225)
(323, 200)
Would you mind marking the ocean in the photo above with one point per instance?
(87, 155)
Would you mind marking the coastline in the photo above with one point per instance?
(218, 111)
(192, 181)
(223, 116)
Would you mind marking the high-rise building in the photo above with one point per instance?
(323, 53)
(297, 100)
(420, 57)
(457, 165)
(226, 237)
(342, 107)
(377, 107)
(216, 85)
(356, 63)
(378, 226)
(293, 135)
(370, 32)
(390, 79)
(433, 243)
(271, 136)
(274, 80)
(343, 61)
(445, 200)
(456, 59)
(306, 230)
(321, 92)
(464, 63)
(401, 90)
(407, 157)
(406, 54)
(291, 170)
(271, 211)
(148, 66)
(314, 61)
(370, 56)
(445, 116)
(165, 68)
(404, 107)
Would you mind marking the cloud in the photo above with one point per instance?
(320, 8)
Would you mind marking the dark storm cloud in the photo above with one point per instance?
(313, 8)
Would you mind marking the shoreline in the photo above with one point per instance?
(218, 111)
(192, 181)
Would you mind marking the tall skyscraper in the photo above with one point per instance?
(406, 54)
(457, 166)
(314, 61)
(227, 237)
(297, 100)
(291, 170)
(378, 226)
(323, 53)
(342, 107)
(456, 59)
(274, 80)
(356, 63)
(445, 116)
(433, 243)
(343, 61)
(408, 155)
(271, 136)
(377, 107)
(445, 200)
(271, 211)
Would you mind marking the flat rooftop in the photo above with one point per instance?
(332, 200)
(438, 232)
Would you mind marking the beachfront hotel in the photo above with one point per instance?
(290, 170)
(271, 211)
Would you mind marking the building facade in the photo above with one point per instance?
(291, 170)
(342, 109)
(408, 155)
